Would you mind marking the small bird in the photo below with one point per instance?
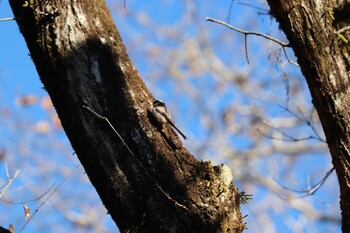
(162, 115)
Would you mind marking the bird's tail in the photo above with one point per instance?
(183, 135)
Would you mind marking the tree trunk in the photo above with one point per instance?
(145, 177)
(310, 28)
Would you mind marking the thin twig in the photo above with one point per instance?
(9, 183)
(6, 19)
(343, 29)
(285, 53)
(309, 121)
(138, 161)
(125, 7)
(248, 32)
(246, 47)
(229, 11)
(311, 190)
(31, 200)
(110, 125)
(287, 136)
(48, 197)
(283, 44)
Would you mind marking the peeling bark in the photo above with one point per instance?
(310, 30)
(157, 185)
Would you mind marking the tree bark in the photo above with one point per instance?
(311, 30)
(4, 230)
(145, 177)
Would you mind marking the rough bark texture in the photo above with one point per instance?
(159, 186)
(321, 55)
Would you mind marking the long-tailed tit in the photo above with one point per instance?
(162, 115)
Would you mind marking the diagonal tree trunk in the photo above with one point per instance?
(311, 27)
(145, 177)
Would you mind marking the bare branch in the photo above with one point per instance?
(343, 29)
(9, 183)
(31, 200)
(308, 120)
(311, 190)
(248, 32)
(283, 44)
(246, 47)
(48, 197)
(285, 52)
(6, 19)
